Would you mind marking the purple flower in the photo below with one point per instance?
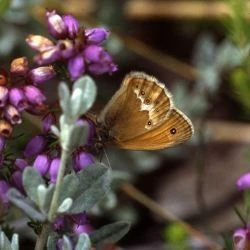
(35, 146)
(82, 160)
(17, 98)
(72, 47)
(34, 95)
(42, 163)
(79, 229)
(241, 239)
(56, 25)
(21, 163)
(47, 121)
(4, 94)
(96, 35)
(79, 219)
(4, 187)
(59, 223)
(12, 114)
(2, 143)
(17, 180)
(41, 74)
(72, 25)
(53, 169)
(244, 182)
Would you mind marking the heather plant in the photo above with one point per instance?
(58, 178)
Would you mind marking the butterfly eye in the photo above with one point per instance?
(142, 93)
(149, 123)
(147, 101)
(173, 131)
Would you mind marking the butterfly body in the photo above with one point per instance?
(141, 116)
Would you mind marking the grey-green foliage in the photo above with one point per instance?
(5, 244)
(73, 106)
(110, 233)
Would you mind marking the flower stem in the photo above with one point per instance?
(42, 239)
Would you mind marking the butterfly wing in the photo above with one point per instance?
(176, 129)
(141, 104)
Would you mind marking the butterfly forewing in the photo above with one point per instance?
(139, 106)
(176, 129)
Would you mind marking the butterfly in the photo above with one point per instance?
(141, 116)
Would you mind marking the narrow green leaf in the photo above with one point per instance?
(95, 184)
(65, 206)
(51, 243)
(45, 196)
(69, 187)
(83, 96)
(31, 181)
(64, 96)
(4, 242)
(66, 243)
(83, 242)
(14, 242)
(25, 204)
(79, 136)
(4, 5)
(110, 233)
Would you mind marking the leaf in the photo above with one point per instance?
(66, 243)
(4, 242)
(64, 96)
(4, 5)
(79, 136)
(14, 242)
(23, 203)
(31, 181)
(83, 96)
(110, 233)
(65, 206)
(83, 242)
(94, 185)
(45, 196)
(51, 243)
(69, 187)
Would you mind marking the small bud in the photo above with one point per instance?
(42, 163)
(2, 143)
(93, 53)
(41, 74)
(34, 95)
(53, 169)
(66, 48)
(35, 146)
(47, 56)
(81, 160)
(17, 180)
(79, 229)
(39, 43)
(19, 66)
(21, 164)
(47, 121)
(4, 94)
(17, 98)
(3, 77)
(4, 187)
(5, 128)
(241, 239)
(96, 36)
(80, 219)
(12, 114)
(244, 182)
(72, 25)
(76, 67)
(56, 25)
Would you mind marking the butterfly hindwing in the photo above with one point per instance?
(176, 129)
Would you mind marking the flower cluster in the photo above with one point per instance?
(19, 92)
(80, 48)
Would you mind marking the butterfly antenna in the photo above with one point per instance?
(106, 155)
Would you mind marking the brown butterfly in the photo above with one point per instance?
(141, 116)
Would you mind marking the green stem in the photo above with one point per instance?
(42, 239)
